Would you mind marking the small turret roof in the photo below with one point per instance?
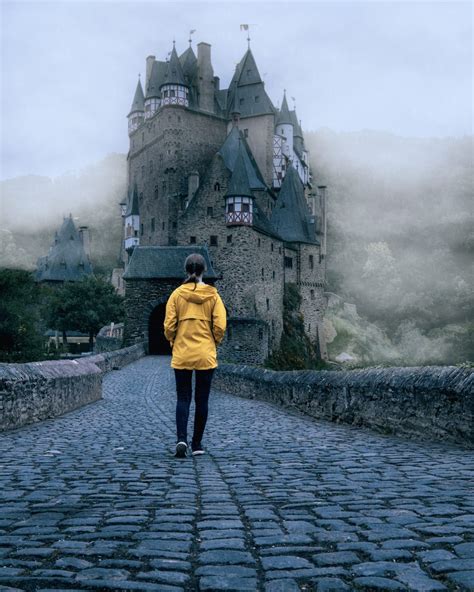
(188, 63)
(174, 72)
(284, 116)
(138, 103)
(132, 203)
(297, 131)
(290, 216)
(66, 260)
(239, 182)
(229, 152)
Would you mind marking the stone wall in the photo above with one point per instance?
(42, 390)
(435, 402)
(109, 339)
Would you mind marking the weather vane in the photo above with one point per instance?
(190, 33)
(247, 28)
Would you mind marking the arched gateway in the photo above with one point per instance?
(157, 342)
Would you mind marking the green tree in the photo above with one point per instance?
(85, 306)
(20, 324)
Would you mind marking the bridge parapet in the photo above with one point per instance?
(435, 402)
(42, 390)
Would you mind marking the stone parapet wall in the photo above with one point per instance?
(435, 402)
(37, 391)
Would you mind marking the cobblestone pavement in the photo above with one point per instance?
(96, 500)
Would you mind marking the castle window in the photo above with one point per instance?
(311, 262)
(272, 247)
(258, 243)
(210, 211)
(263, 273)
(163, 226)
(141, 229)
(268, 304)
(135, 233)
(229, 238)
(217, 186)
(174, 224)
(260, 333)
(156, 191)
(192, 240)
(153, 225)
(312, 294)
(273, 274)
(289, 262)
(279, 250)
(246, 132)
(213, 241)
(257, 99)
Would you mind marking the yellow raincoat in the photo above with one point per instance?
(195, 323)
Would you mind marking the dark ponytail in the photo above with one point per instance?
(194, 265)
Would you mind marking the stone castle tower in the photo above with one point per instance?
(225, 173)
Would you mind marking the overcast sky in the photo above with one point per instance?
(69, 69)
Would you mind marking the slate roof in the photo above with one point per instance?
(188, 63)
(132, 203)
(164, 262)
(290, 216)
(66, 260)
(157, 76)
(239, 182)
(174, 72)
(297, 131)
(249, 85)
(138, 103)
(284, 116)
(229, 152)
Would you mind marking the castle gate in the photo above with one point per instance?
(157, 343)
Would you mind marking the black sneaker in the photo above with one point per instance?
(197, 449)
(181, 450)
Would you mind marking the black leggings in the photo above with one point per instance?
(201, 398)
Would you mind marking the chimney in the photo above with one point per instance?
(322, 189)
(217, 83)
(85, 237)
(149, 65)
(193, 184)
(205, 77)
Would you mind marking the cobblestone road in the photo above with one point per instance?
(95, 500)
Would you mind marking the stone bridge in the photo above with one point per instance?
(95, 500)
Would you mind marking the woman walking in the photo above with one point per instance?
(195, 323)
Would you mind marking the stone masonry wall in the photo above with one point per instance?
(42, 390)
(141, 297)
(435, 402)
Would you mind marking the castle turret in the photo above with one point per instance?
(132, 222)
(174, 89)
(284, 127)
(137, 110)
(239, 200)
(155, 75)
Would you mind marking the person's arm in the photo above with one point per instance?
(219, 320)
(171, 319)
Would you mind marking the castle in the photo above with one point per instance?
(224, 173)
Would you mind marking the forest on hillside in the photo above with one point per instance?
(400, 234)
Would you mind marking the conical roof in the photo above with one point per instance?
(188, 62)
(297, 131)
(174, 72)
(284, 116)
(290, 216)
(229, 152)
(138, 103)
(239, 182)
(247, 71)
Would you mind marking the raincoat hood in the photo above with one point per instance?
(197, 293)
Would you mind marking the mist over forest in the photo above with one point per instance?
(400, 235)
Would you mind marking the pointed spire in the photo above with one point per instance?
(239, 182)
(138, 103)
(174, 73)
(284, 116)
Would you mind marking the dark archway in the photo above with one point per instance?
(157, 342)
